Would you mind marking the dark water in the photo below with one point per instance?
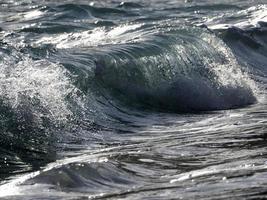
(157, 99)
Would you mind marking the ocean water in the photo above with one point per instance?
(155, 99)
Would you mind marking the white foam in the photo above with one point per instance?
(95, 37)
(40, 85)
(228, 73)
(248, 18)
(34, 14)
(211, 171)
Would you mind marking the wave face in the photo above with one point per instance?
(182, 69)
(133, 100)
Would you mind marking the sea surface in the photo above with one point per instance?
(141, 99)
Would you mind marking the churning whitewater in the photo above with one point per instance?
(157, 99)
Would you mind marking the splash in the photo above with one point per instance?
(40, 87)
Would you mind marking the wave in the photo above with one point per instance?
(178, 68)
(167, 67)
(183, 69)
(37, 99)
(39, 86)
